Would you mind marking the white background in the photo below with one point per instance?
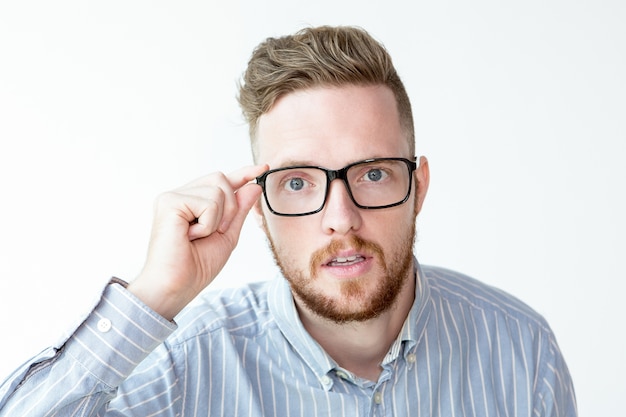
(519, 106)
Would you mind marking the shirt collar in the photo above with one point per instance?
(415, 323)
(284, 311)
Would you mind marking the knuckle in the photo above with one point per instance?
(164, 199)
(217, 195)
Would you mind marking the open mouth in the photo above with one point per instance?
(346, 261)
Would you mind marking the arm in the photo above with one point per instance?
(195, 229)
(87, 369)
(553, 386)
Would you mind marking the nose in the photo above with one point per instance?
(340, 215)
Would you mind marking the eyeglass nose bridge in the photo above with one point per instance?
(338, 174)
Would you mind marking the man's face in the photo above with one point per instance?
(343, 263)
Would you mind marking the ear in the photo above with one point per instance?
(422, 179)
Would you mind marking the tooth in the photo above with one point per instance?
(340, 259)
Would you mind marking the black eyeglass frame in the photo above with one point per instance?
(333, 174)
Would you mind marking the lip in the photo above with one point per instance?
(344, 254)
(363, 264)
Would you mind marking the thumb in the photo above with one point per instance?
(246, 198)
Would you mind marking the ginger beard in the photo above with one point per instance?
(354, 303)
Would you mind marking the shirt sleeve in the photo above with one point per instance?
(82, 374)
(554, 389)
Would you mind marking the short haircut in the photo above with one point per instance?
(318, 57)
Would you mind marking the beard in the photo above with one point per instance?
(354, 303)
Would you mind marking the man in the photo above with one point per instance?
(354, 326)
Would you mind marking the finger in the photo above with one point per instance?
(238, 179)
(246, 198)
(211, 201)
(242, 176)
(209, 212)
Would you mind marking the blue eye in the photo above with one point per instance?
(374, 175)
(295, 184)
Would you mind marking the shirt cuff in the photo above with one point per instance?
(118, 334)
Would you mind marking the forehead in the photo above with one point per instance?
(331, 126)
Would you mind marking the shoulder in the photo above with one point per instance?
(241, 311)
(453, 287)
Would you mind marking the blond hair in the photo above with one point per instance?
(318, 57)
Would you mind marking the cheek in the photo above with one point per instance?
(388, 224)
(292, 237)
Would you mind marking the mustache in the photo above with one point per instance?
(352, 242)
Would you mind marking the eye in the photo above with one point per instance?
(296, 181)
(295, 184)
(374, 175)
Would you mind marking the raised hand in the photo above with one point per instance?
(195, 229)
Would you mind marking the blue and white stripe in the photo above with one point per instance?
(466, 349)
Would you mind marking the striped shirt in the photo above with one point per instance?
(465, 349)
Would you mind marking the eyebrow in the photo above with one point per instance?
(306, 162)
(296, 162)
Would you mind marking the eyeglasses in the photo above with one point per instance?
(372, 184)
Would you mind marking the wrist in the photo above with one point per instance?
(165, 303)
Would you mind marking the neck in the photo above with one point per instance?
(360, 347)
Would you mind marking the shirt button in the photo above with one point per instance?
(410, 358)
(104, 325)
(342, 375)
(326, 380)
(378, 398)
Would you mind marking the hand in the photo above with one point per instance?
(195, 229)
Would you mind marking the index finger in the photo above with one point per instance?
(242, 176)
